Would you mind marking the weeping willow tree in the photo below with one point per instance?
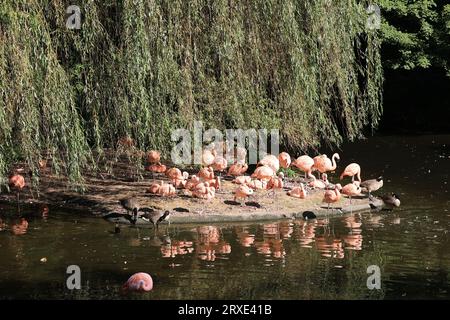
(142, 68)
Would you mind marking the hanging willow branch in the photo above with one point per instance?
(141, 68)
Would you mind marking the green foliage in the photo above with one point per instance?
(142, 68)
(416, 34)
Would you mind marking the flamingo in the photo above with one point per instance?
(257, 184)
(204, 191)
(153, 156)
(220, 164)
(216, 183)
(243, 191)
(285, 160)
(298, 192)
(332, 196)
(166, 190)
(206, 173)
(242, 180)
(208, 157)
(237, 169)
(17, 183)
(241, 155)
(351, 190)
(192, 182)
(319, 184)
(323, 164)
(270, 161)
(154, 187)
(352, 170)
(263, 173)
(156, 168)
(276, 183)
(304, 163)
(139, 282)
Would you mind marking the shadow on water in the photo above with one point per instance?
(323, 258)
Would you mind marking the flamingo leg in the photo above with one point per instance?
(18, 201)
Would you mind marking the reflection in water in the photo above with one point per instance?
(20, 227)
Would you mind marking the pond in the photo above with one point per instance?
(317, 259)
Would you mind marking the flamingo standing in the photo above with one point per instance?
(243, 191)
(323, 164)
(332, 196)
(351, 190)
(139, 282)
(298, 192)
(208, 157)
(220, 164)
(304, 163)
(352, 170)
(16, 182)
(237, 169)
(285, 160)
(276, 183)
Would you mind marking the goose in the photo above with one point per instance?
(372, 185)
(391, 200)
(131, 204)
(156, 216)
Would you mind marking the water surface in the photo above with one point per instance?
(321, 259)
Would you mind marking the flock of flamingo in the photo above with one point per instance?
(267, 176)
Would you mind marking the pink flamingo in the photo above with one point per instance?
(166, 190)
(332, 196)
(270, 161)
(156, 168)
(16, 182)
(208, 157)
(352, 170)
(263, 173)
(206, 173)
(154, 188)
(323, 164)
(220, 164)
(298, 192)
(237, 169)
(204, 191)
(216, 183)
(351, 190)
(319, 184)
(139, 282)
(242, 192)
(242, 180)
(153, 156)
(257, 184)
(285, 160)
(304, 163)
(192, 182)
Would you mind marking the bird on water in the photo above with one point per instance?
(131, 204)
(156, 216)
